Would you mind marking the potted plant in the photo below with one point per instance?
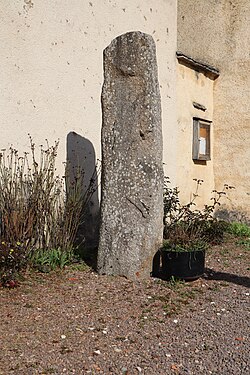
(187, 234)
(183, 252)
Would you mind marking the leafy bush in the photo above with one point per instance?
(187, 228)
(214, 231)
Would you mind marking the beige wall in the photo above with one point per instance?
(217, 32)
(51, 66)
(193, 87)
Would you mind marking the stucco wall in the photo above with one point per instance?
(51, 66)
(217, 32)
(193, 87)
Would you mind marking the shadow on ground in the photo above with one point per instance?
(210, 274)
(88, 255)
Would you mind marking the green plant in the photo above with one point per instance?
(214, 231)
(187, 228)
(244, 242)
(239, 229)
(12, 259)
(52, 259)
(80, 265)
(182, 243)
(181, 295)
(175, 282)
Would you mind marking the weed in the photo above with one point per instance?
(175, 283)
(181, 294)
(80, 266)
(52, 258)
(224, 251)
(224, 283)
(239, 229)
(12, 260)
(215, 287)
(241, 232)
(49, 370)
(244, 242)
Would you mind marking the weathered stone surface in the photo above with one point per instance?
(132, 175)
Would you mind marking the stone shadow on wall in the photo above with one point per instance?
(81, 154)
(232, 215)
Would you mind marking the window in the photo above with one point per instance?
(201, 139)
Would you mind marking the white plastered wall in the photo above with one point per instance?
(51, 67)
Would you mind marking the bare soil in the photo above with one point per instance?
(76, 322)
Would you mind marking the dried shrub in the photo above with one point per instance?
(39, 209)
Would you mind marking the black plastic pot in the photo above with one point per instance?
(188, 265)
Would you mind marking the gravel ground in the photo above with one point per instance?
(75, 322)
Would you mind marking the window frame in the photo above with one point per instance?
(199, 123)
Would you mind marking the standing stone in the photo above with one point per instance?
(132, 174)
